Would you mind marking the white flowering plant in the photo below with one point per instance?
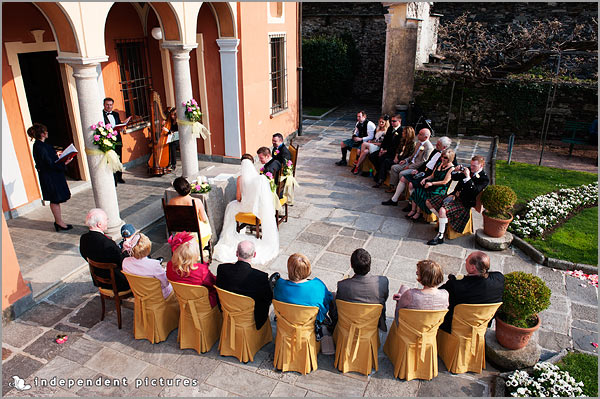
(104, 136)
(548, 380)
(546, 211)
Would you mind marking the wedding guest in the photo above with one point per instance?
(372, 145)
(364, 287)
(430, 275)
(138, 246)
(184, 189)
(436, 183)
(384, 158)
(300, 290)
(363, 131)
(51, 173)
(241, 278)
(479, 286)
(127, 230)
(96, 246)
(184, 266)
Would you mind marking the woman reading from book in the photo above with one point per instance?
(51, 173)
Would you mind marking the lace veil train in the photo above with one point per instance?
(257, 198)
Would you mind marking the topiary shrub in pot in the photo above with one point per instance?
(525, 295)
(498, 202)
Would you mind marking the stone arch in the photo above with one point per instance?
(225, 20)
(61, 25)
(168, 20)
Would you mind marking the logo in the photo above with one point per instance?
(19, 384)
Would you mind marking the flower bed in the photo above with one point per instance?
(547, 380)
(545, 212)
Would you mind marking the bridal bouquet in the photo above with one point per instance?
(105, 138)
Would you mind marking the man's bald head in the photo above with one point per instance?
(96, 218)
(245, 251)
(424, 134)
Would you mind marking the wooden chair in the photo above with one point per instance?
(248, 219)
(294, 152)
(154, 316)
(296, 346)
(105, 292)
(464, 349)
(356, 337)
(185, 218)
(411, 343)
(283, 201)
(239, 336)
(199, 323)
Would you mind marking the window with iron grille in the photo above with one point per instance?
(278, 73)
(135, 80)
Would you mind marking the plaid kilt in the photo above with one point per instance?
(458, 216)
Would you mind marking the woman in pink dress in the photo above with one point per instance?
(185, 268)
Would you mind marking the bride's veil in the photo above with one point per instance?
(257, 198)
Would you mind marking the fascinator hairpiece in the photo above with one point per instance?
(180, 238)
(130, 243)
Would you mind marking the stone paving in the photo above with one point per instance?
(335, 213)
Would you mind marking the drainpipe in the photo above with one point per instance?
(299, 68)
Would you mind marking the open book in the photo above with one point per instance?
(120, 127)
(67, 154)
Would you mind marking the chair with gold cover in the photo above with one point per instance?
(464, 349)
(296, 345)
(411, 343)
(239, 336)
(356, 336)
(154, 316)
(199, 323)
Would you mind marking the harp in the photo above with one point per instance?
(159, 158)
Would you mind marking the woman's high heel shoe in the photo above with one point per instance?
(58, 227)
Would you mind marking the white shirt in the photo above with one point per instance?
(111, 119)
(433, 161)
(370, 131)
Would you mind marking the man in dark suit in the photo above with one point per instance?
(383, 158)
(113, 118)
(271, 164)
(364, 287)
(479, 286)
(96, 246)
(280, 151)
(242, 279)
(455, 208)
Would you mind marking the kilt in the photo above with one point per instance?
(352, 144)
(458, 215)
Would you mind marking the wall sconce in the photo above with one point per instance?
(157, 33)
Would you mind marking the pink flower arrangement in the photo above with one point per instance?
(288, 169)
(269, 175)
(276, 152)
(104, 137)
(192, 111)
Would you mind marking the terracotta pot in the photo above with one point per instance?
(495, 227)
(512, 337)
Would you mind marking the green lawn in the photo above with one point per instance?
(314, 111)
(530, 181)
(575, 241)
(584, 368)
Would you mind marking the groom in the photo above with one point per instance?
(271, 164)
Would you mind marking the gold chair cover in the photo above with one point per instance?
(452, 234)
(239, 336)
(464, 349)
(356, 336)
(411, 343)
(199, 324)
(154, 316)
(295, 343)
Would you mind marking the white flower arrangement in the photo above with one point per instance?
(548, 380)
(545, 211)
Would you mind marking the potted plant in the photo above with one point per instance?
(525, 295)
(498, 201)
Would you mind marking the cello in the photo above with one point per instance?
(160, 126)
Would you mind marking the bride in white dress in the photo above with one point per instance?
(253, 195)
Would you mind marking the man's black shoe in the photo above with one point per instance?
(407, 208)
(120, 180)
(377, 185)
(439, 239)
(341, 162)
(390, 202)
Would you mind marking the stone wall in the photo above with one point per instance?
(501, 108)
(366, 24)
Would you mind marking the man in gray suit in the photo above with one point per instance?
(364, 287)
(423, 149)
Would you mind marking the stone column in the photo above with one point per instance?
(400, 53)
(183, 92)
(90, 110)
(231, 107)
